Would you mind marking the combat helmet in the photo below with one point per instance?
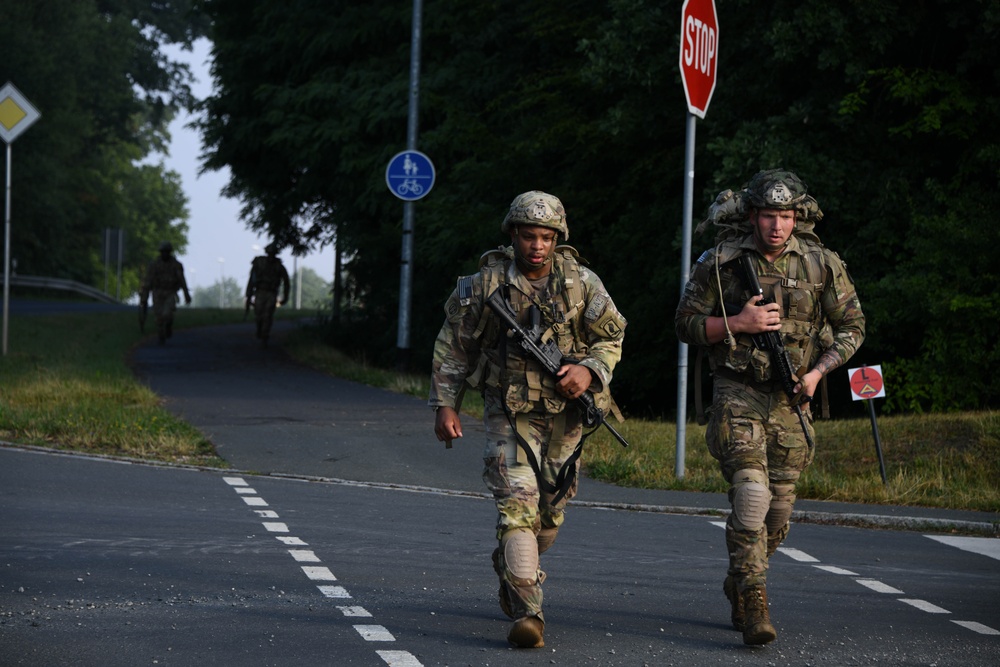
(775, 188)
(166, 246)
(771, 188)
(539, 209)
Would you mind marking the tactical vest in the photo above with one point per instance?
(523, 383)
(164, 275)
(266, 273)
(802, 320)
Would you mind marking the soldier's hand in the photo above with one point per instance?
(574, 380)
(447, 425)
(187, 299)
(757, 319)
(805, 389)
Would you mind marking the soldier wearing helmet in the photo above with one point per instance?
(164, 277)
(534, 430)
(753, 430)
(267, 276)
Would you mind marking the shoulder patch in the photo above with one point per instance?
(596, 307)
(464, 290)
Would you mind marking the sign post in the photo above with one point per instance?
(16, 115)
(867, 384)
(408, 193)
(698, 61)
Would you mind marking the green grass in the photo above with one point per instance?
(65, 384)
(950, 460)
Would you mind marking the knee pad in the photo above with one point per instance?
(546, 538)
(782, 500)
(750, 498)
(520, 556)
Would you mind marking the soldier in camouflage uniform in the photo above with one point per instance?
(164, 277)
(267, 275)
(533, 429)
(752, 429)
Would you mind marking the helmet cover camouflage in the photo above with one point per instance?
(775, 189)
(539, 209)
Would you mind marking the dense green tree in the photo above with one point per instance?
(315, 293)
(886, 108)
(106, 93)
(223, 293)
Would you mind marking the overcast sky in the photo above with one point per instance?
(219, 243)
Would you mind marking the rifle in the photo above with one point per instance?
(770, 342)
(246, 310)
(142, 316)
(548, 355)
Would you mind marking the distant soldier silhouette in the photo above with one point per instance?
(267, 275)
(164, 277)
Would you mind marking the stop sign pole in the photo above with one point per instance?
(698, 60)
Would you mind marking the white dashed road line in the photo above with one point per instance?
(370, 633)
(878, 586)
(398, 659)
(923, 605)
(977, 627)
(985, 546)
(800, 556)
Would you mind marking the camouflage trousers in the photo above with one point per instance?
(164, 306)
(264, 303)
(754, 427)
(523, 504)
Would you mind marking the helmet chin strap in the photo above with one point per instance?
(521, 262)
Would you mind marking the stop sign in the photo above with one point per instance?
(699, 53)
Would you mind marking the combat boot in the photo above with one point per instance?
(757, 628)
(527, 632)
(738, 616)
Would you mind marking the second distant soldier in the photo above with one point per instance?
(164, 277)
(267, 276)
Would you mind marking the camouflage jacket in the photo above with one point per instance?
(820, 309)
(472, 350)
(163, 276)
(267, 274)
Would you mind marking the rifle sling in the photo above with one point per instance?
(566, 474)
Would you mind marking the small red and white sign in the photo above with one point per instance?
(866, 382)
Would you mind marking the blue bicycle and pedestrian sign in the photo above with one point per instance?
(410, 175)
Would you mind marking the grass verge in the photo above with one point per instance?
(65, 384)
(949, 460)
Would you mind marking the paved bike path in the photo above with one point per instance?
(267, 414)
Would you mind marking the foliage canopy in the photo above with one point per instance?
(106, 92)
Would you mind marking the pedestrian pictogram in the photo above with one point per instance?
(866, 383)
(410, 175)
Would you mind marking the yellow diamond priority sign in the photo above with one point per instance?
(16, 113)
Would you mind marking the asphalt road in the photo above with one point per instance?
(345, 534)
